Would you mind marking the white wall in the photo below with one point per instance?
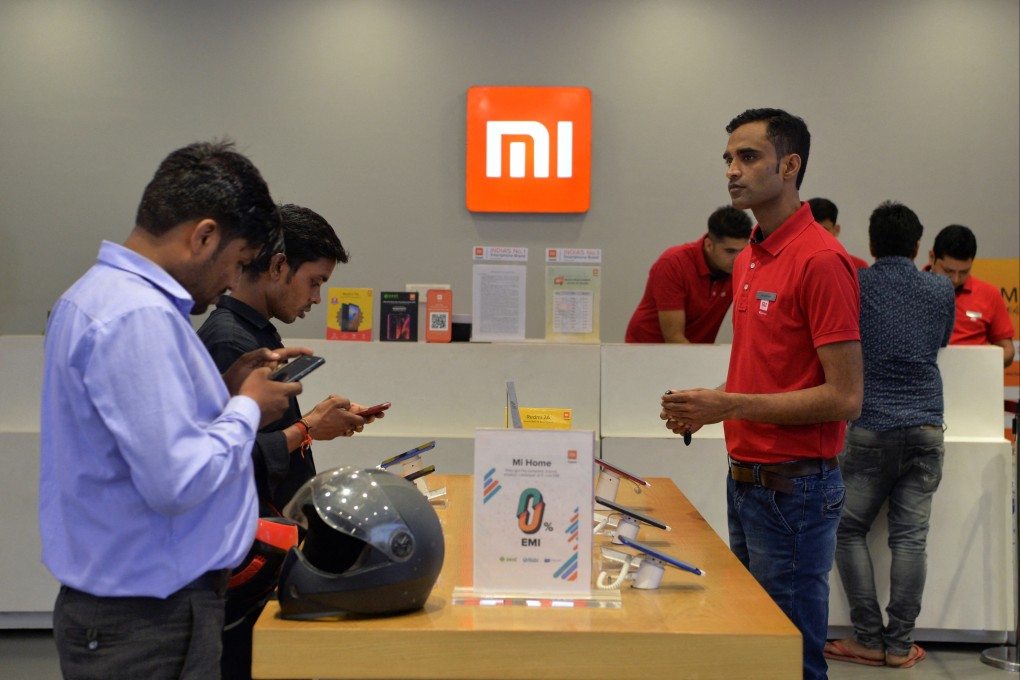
(356, 109)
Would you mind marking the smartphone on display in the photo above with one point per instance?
(297, 368)
(641, 517)
(350, 317)
(406, 455)
(661, 556)
(420, 473)
(621, 472)
(373, 410)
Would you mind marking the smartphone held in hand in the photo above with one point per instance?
(297, 369)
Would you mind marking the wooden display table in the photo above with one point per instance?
(721, 625)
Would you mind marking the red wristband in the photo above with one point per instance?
(306, 437)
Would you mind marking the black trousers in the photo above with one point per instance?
(106, 638)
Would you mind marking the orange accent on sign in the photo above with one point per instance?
(529, 149)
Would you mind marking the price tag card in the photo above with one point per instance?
(533, 500)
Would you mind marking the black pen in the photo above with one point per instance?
(687, 432)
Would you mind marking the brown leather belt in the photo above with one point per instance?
(778, 477)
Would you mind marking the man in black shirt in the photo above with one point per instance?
(284, 286)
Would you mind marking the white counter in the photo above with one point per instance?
(444, 392)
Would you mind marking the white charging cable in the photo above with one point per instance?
(602, 583)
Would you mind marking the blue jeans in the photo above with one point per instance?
(786, 541)
(905, 467)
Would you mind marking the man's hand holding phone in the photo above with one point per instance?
(272, 396)
(259, 358)
(332, 418)
(250, 376)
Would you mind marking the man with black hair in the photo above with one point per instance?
(689, 287)
(826, 214)
(981, 316)
(894, 450)
(146, 493)
(281, 285)
(795, 378)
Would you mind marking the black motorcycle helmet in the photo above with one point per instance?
(374, 546)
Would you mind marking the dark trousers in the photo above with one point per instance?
(237, 644)
(106, 638)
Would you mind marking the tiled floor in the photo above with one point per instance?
(30, 655)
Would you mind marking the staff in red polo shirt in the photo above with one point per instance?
(689, 287)
(795, 378)
(826, 214)
(981, 316)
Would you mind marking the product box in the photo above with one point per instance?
(398, 316)
(349, 314)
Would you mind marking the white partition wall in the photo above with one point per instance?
(440, 392)
(27, 590)
(969, 593)
(444, 392)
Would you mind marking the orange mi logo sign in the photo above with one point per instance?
(529, 149)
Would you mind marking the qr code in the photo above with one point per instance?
(439, 321)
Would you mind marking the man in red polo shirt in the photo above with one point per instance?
(689, 287)
(981, 316)
(826, 214)
(795, 378)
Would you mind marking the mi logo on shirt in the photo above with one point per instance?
(528, 149)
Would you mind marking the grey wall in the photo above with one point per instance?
(356, 109)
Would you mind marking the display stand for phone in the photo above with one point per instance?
(627, 561)
(649, 574)
(608, 485)
(413, 465)
(627, 521)
(608, 482)
(627, 526)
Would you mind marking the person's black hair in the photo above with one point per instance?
(787, 134)
(894, 229)
(729, 222)
(307, 237)
(210, 180)
(956, 241)
(823, 209)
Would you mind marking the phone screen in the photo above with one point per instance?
(297, 368)
(620, 471)
(389, 462)
(663, 557)
(420, 473)
(641, 517)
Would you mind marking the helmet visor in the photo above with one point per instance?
(352, 501)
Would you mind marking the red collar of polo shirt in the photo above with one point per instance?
(794, 225)
(965, 288)
(701, 264)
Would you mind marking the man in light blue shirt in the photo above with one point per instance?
(147, 494)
